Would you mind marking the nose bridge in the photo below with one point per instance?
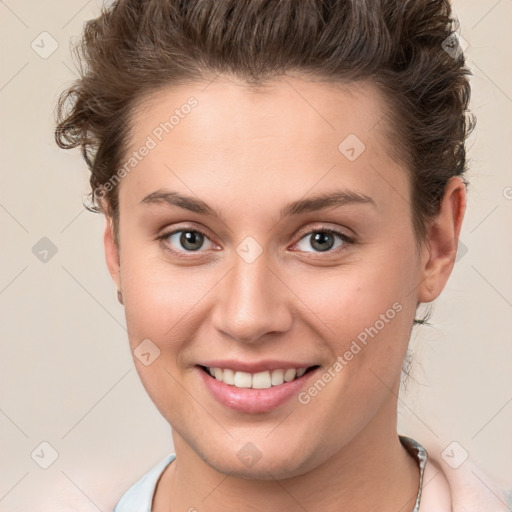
(252, 301)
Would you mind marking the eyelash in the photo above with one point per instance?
(322, 229)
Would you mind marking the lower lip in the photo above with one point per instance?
(253, 400)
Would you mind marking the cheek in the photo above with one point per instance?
(365, 313)
(159, 297)
(162, 298)
(159, 303)
(344, 301)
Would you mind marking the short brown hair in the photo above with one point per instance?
(405, 47)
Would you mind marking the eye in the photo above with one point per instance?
(324, 240)
(190, 240)
(185, 240)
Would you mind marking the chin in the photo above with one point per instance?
(250, 463)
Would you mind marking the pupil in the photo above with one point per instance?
(191, 237)
(321, 238)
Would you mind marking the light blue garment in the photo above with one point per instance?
(139, 497)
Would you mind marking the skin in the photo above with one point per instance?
(247, 153)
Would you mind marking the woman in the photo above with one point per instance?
(283, 186)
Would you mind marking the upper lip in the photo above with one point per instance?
(254, 367)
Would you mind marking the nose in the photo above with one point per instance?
(253, 301)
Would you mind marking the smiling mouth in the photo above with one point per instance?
(260, 380)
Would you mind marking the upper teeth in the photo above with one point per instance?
(259, 380)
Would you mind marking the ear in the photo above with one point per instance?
(112, 252)
(440, 248)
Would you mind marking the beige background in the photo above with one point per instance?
(66, 373)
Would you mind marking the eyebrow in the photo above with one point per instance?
(312, 204)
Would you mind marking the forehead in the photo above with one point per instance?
(291, 132)
(271, 110)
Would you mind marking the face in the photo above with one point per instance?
(229, 258)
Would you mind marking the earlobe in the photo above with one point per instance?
(112, 252)
(440, 248)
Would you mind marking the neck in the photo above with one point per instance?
(372, 472)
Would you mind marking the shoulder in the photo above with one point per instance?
(140, 495)
(457, 484)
